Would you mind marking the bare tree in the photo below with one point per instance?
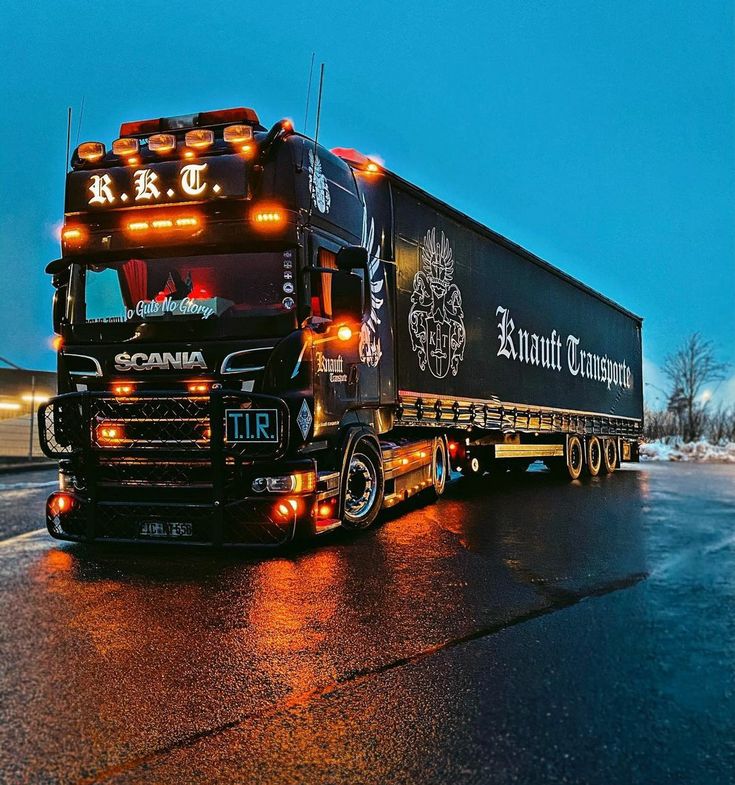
(689, 369)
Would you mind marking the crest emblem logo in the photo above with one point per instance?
(370, 350)
(191, 179)
(318, 184)
(436, 318)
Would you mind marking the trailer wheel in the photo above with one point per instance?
(593, 458)
(609, 455)
(362, 484)
(574, 457)
(439, 467)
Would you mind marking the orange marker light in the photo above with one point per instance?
(122, 390)
(267, 217)
(344, 333)
(325, 511)
(198, 388)
(74, 236)
(187, 221)
(110, 433)
(57, 342)
(372, 167)
(138, 226)
(188, 154)
(162, 223)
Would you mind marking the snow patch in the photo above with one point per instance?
(677, 450)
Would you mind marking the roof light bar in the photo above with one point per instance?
(199, 138)
(162, 143)
(237, 134)
(91, 151)
(126, 146)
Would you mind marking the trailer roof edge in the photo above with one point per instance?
(504, 241)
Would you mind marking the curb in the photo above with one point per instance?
(29, 466)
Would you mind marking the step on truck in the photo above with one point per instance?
(260, 339)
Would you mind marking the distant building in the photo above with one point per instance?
(21, 393)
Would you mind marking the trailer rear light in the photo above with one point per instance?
(162, 143)
(236, 134)
(110, 433)
(126, 147)
(198, 388)
(121, 390)
(199, 138)
(91, 151)
(74, 236)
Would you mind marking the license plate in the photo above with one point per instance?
(165, 529)
(256, 426)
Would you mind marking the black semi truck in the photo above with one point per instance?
(260, 339)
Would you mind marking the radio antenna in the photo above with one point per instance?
(79, 124)
(308, 94)
(319, 106)
(68, 139)
(316, 140)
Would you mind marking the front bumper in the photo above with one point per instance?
(175, 466)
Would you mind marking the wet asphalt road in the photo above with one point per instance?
(526, 631)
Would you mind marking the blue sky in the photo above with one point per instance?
(599, 135)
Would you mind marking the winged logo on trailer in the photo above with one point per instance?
(318, 184)
(370, 349)
(436, 318)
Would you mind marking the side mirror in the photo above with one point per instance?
(351, 257)
(347, 292)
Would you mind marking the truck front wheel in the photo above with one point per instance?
(362, 484)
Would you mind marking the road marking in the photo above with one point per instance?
(357, 677)
(20, 537)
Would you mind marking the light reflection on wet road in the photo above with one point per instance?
(526, 631)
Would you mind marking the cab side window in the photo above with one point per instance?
(321, 292)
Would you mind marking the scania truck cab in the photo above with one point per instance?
(260, 339)
(225, 364)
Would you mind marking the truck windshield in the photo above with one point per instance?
(211, 288)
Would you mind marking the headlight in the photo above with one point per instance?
(301, 482)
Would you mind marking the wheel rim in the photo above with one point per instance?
(362, 487)
(575, 458)
(595, 455)
(439, 468)
(611, 455)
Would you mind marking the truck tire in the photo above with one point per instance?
(363, 484)
(593, 456)
(574, 457)
(609, 455)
